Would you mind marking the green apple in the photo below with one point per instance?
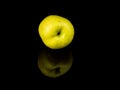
(54, 64)
(56, 31)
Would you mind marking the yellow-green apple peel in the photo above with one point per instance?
(56, 31)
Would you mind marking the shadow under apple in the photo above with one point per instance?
(54, 63)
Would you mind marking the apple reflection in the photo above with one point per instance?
(54, 63)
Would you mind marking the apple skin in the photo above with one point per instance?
(54, 64)
(56, 31)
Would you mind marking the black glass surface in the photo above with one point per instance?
(86, 49)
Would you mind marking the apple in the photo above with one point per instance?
(54, 63)
(56, 31)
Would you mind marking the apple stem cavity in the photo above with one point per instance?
(59, 32)
(57, 70)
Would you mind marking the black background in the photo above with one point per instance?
(88, 46)
(85, 46)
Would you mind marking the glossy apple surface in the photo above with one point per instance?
(56, 31)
